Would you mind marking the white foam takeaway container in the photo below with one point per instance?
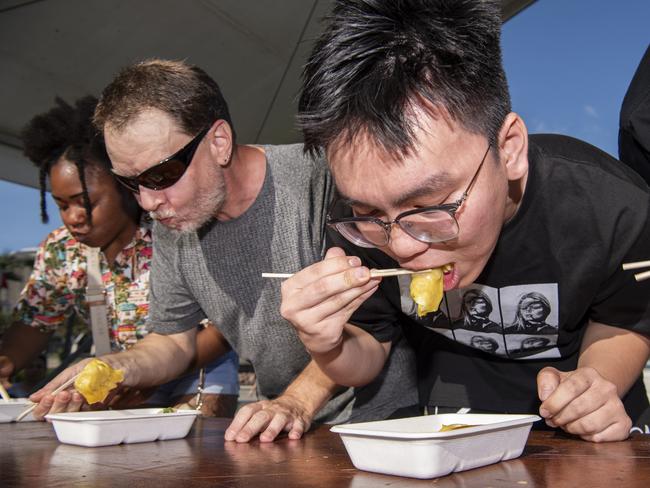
(415, 447)
(10, 409)
(110, 427)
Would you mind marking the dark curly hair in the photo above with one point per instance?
(67, 130)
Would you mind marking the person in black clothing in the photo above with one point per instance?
(410, 104)
(634, 129)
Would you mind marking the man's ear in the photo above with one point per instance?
(220, 138)
(513, 146)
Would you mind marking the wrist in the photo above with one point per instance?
(325, 352)
(126, 365)
(302, 403)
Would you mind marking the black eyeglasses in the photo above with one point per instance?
(166, 172)
(429, 224)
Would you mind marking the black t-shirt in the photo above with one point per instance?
(557, 264)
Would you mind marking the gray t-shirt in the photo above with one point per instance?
(215, 273)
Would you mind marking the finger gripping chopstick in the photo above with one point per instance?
(31, 408)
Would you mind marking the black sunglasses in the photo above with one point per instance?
(166, 172)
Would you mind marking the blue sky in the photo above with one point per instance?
(568, 63)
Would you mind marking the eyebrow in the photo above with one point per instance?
(123, 175)
(432, 185)
(70, 197)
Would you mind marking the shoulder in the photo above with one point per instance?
(59, 254)
(291, 161)
(588, 165)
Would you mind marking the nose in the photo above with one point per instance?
(150, 200)
(75, 217)
(403, 246)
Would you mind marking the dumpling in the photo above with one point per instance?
(426, 290)
(96, 380)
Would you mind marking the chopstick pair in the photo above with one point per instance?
(31, 408)
(639, 265)
(374, 273)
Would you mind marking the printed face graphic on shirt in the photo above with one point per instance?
(517, 322)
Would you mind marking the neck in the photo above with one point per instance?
(113, 248)
(244, 177)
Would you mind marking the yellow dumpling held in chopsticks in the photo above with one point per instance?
(426, 290)
(96, 380)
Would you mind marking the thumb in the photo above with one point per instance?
(548, 380)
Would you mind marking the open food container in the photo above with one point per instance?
(10, 409)
(416, 446)
(110, 427)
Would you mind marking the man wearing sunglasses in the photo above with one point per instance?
(410, 104)
(224, 214)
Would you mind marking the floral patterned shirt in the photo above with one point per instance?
(57, 286)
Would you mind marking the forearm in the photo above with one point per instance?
(21, 343)
(156, 359)
(618, 355)
(357, 360)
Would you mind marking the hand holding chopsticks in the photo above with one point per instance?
(31, 408)
(639, 265)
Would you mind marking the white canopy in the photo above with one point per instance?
(69, 48)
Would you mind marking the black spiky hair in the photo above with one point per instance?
(378, 61)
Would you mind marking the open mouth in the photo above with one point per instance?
(450, 276)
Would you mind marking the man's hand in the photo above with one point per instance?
(320, 299)
(68, 400)
(583, 403)
(269, 418)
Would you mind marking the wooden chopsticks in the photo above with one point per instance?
(374, 273)
(639, 265)
(29, 409)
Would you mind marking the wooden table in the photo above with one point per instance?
(31, 456)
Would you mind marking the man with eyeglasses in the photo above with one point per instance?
(224, 213)
(409, 102)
